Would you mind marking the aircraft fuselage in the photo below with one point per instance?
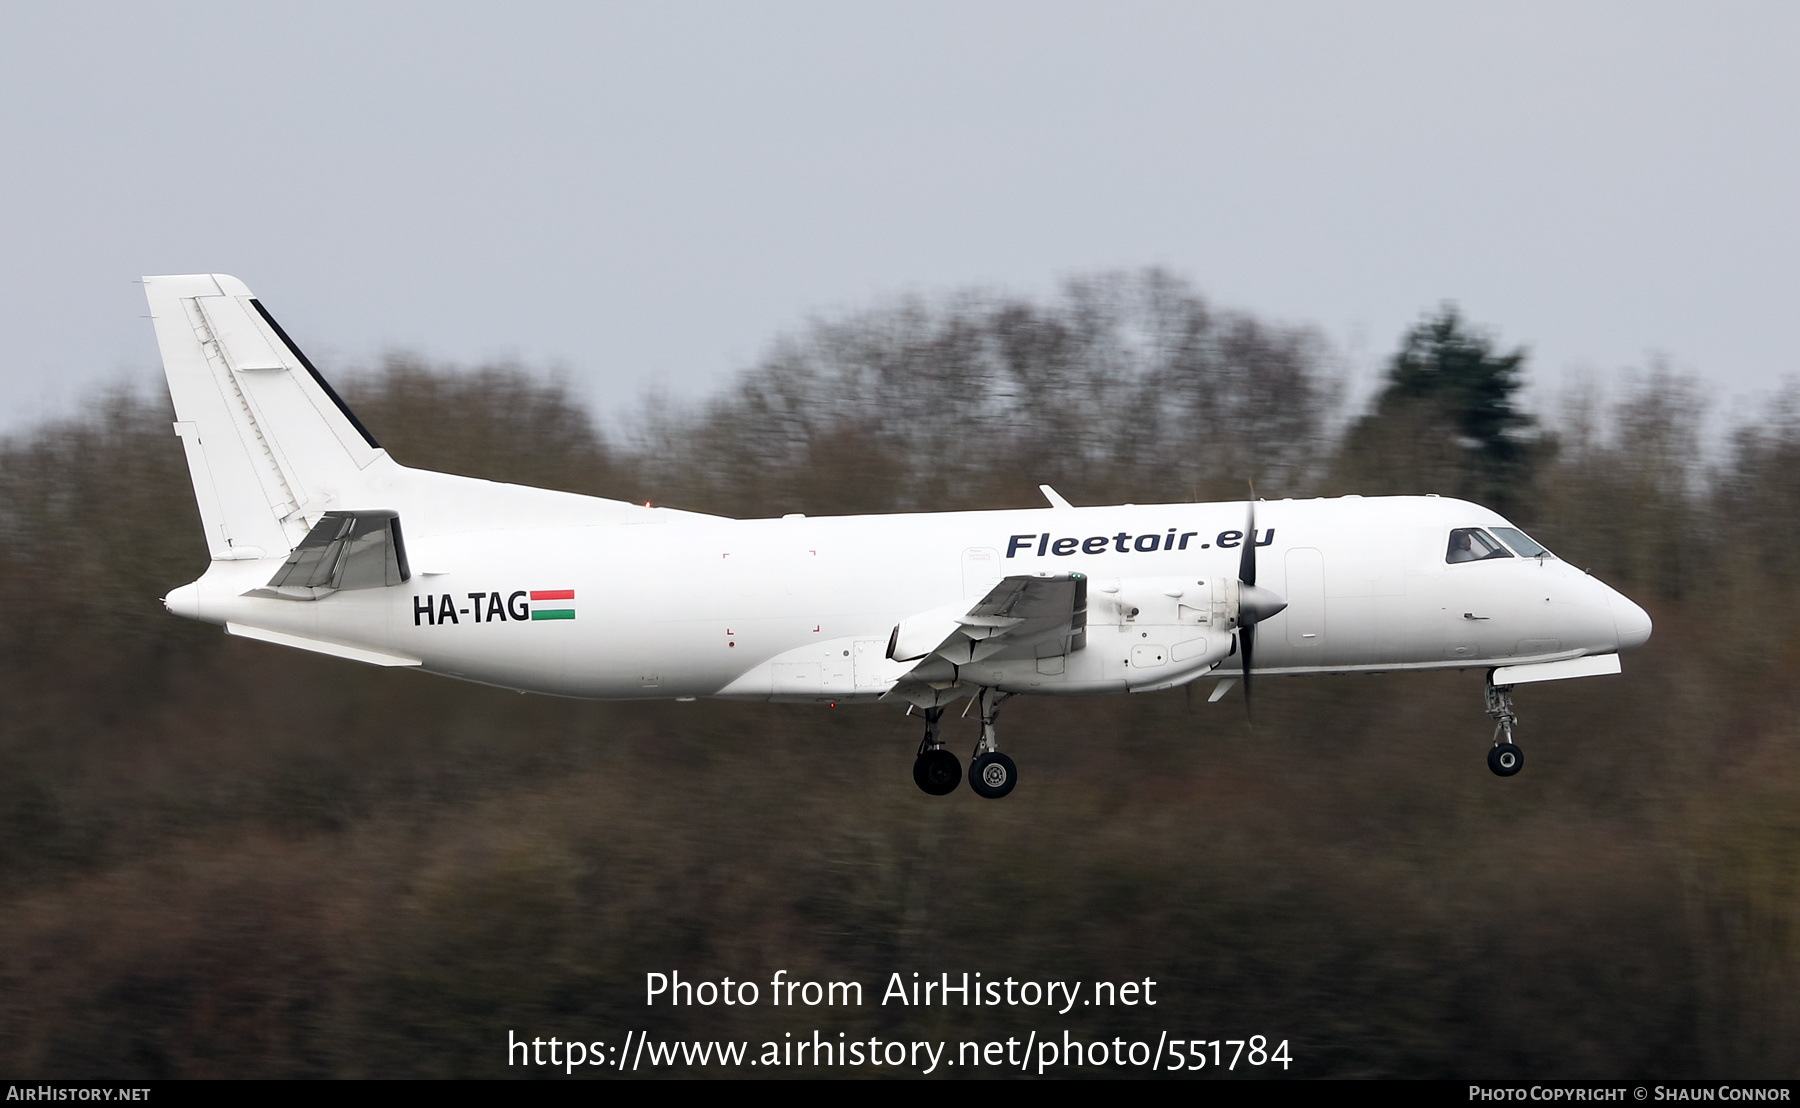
(804, 608)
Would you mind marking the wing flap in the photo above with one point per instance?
(1021, 617)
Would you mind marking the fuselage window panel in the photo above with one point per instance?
(1472, 544)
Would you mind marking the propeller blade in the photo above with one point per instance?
(1247, 646)
(1248, 612)
(1254, 604)
(1247, 559)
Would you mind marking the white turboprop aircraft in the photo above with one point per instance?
(321, 541)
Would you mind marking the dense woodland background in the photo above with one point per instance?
(221, 858)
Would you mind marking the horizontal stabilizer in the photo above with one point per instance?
(322, 646)
(344, 550)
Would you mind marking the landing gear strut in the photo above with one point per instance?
(991, 773)
(935, 770)
(1505, 758)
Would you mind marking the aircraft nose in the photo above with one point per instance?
(1631, 621)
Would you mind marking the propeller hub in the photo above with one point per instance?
(1256, 604)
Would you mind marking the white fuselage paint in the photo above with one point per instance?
(679, 605)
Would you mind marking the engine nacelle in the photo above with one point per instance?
(1143, 633)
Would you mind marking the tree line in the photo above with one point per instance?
(221, 858)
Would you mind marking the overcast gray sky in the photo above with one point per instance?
(647, 194)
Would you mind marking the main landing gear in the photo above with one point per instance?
(936, 770)
(991, 773)
(1505, 758)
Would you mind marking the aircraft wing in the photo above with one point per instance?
(1021, 617)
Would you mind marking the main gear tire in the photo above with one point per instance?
(993, 775)
(1505, 759)
(937, 772)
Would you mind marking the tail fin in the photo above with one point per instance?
(269, 445)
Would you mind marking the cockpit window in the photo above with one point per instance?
(1472, 544)
(1521, 543)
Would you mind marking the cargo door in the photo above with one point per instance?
(1306, 597)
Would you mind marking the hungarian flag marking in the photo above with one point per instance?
(552, 604)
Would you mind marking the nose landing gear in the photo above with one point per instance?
(1505, 758)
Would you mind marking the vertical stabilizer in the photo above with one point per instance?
(270, 447)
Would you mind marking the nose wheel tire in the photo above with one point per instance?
(937, 772)
(993, 775)
(1505, 759)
